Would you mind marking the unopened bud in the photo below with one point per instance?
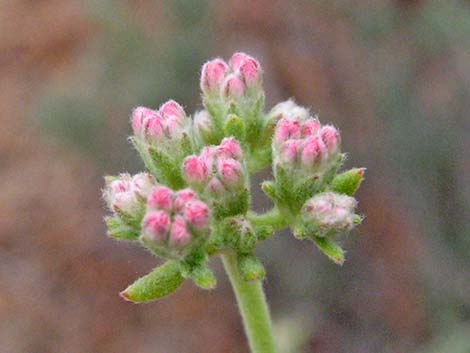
(289, 151)
(239, 59)
(311, 127)
(248, 67)
(153, 127)
(174, 116)
(142, 184)
(331, 138)
(182, 198)
(179, 235)
(125, 202)
(155, 226)
(313, 151)
(161, 198)
(212, 75)
(229, 148)
(286, 129)
(139, 116)
(230, 170)
(195, 169)
(196, 214)
(123, 196)
(215, 187)
(233, 87)
(329, 213)
(289, 109)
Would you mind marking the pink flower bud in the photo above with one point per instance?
(118, 185)
(120, 197)
(195, 169)
(182, 197)
(248, 67)
(161, 198)
(286, 129)
(331, 138)
(208, 155)
(233, 86)
(230, 170)
(179, 235)
(142, 184)
(155, 225)
(311, 127)
(328, 212)
(139, 115)
(239, 59)
(290, 150)
(153, 125)
(213, 74)
(172, 108)
(215, 187)
(250, 71)
(125, 202)
(229, 148)
(196, 213)
(174, 114)
(313, 151)
(289, 109)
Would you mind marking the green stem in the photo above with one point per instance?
(272, 218)
(253, 307)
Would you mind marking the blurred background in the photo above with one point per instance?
(394, 75)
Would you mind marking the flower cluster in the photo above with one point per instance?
(163, 139)
(328, 213)
(174, 222)
(195, 200)
(241, 76)
(126, 195)
(305, 146)
(164, 127)
(218, 174)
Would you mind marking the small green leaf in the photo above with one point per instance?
(169, 171)
(203, 277)
(348, 182)
(234, 126)
(120, 230)
(269, 188)
(142, 148)
(162, 281)
(186, 146)
(250, 267)
(330, 249)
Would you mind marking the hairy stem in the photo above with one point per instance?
(272, 218)
(253, 307)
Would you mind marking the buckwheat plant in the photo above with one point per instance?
(193, 203)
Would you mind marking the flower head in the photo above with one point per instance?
(174, 221)
(218, 169)
(305, 145)
(163, 126)
(232, 80)
(329, 213)
(125, 195)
